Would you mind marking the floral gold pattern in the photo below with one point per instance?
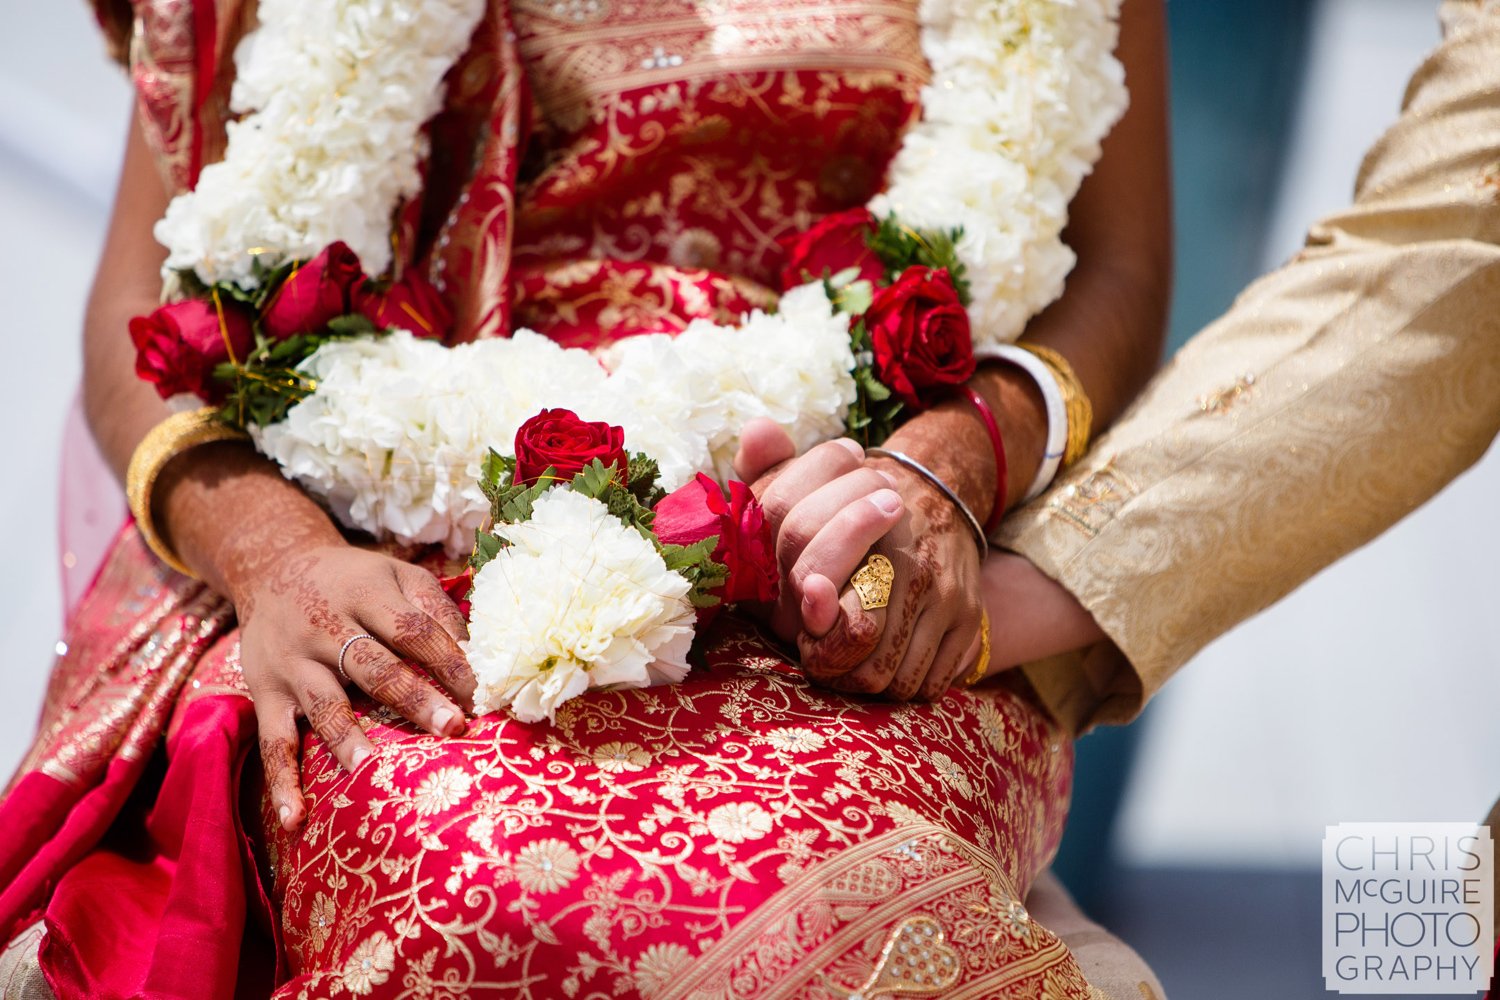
(740, 834)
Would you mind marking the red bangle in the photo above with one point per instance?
(998, 444)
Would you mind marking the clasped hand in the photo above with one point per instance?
(831, 508)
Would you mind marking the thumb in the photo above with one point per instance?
(763, 446)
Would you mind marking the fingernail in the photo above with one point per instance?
(442, 719)
(285, 813)
(889, 479)
(886, 501)
(852, 446)
(360, 756)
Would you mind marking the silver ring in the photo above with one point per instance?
(344, 677)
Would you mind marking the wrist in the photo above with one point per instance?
(232, 517)
(1021, 413)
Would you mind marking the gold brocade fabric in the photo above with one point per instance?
(606, 167)
(1339, 393)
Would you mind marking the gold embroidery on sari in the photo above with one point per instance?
(112, 701)
(579, 61)
(773, 823)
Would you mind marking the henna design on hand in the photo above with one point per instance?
(279, 759)
(389, 681)
(333, 719)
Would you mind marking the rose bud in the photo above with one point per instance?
(699, 509)
(178, 346)
(559, 439)
(314, 293)
(413, 304)
(835, 243)
(920, 335)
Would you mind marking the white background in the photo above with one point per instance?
(1369, 695)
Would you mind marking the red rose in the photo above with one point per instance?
(836, 243)
(313, 294)
(458, 588)
(559, 439)
(920, 334)
(413, 303)
(178, 346)
(700, 509)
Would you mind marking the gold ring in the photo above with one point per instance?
(982, 664)
(872, 582)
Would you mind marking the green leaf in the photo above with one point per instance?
(592, 480)
(855, 298)
(514, 504)
(642, 472)
(486, 547)
(695, 563)
(351, 325)
(497, 470)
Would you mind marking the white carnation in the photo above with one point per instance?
(395, 437)
(334, 96)
(794, 366)
(1020, 98)
(577, 601)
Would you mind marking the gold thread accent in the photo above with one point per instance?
(872, 582)
(982, 664)
(175, 435)
(1079, 408)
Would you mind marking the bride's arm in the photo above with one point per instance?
(1109, 324)
(299, 589)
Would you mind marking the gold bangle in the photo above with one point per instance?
(1080, 410)
(981, 665)
(178, 433)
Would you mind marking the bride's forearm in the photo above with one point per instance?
(120, 407)
(224, 510)
(234, 520)
(1110, 322)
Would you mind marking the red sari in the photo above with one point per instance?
(603, 168)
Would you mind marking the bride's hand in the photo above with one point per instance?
(927, 637)
(301, 592)
(829, 509)
(295, 622)
(826, 508)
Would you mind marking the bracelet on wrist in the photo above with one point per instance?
(1052, 398)
(174, 436)
(1080, 409)
(997, 444)
(1070, 414)
(901, 458)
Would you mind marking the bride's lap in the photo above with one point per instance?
(741, 834)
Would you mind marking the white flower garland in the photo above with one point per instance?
(334, 95)
(1022, 93)
(394, 438)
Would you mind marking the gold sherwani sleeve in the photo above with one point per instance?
(1338, 393)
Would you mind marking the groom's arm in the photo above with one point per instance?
(1338, 394)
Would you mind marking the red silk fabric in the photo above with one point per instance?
(601, 170)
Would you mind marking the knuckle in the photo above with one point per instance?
(794, 537)
(836, 454)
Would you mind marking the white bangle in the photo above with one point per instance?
(1057, 411)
